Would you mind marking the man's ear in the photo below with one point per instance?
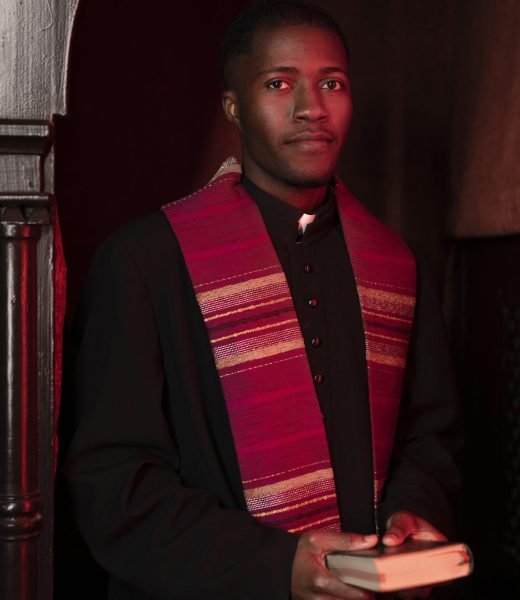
(230, 106)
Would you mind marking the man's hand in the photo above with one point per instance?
(401, 526)
(311, 580)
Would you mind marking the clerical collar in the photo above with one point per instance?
(281, 218)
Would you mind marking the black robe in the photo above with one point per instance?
(152, 468)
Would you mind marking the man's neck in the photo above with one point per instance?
(305, 199)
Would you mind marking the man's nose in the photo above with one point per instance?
(309, 105)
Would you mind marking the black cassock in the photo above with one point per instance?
(152, 468)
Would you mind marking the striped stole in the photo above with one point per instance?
(260, 355)
(385, 274)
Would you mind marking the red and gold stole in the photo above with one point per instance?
(259, 351)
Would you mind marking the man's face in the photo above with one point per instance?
(290, 99)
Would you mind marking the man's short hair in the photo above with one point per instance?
(271, 14)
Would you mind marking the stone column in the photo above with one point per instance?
(34, 42)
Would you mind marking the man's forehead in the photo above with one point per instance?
(292, 45)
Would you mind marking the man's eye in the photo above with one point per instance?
(278, 84)
(333, 84)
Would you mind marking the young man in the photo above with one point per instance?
(261, 367)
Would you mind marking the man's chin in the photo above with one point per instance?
(308, 175)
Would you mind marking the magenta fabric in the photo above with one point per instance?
(260, 354)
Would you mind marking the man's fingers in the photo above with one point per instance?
(399, 527)
(324, 543)
(327, 583)
(403, 525)
(356, 541)
(429, 536)
(310, 577)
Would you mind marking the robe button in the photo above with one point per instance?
(316, 342)
(313, 302)
(318, 378)
(307, 267)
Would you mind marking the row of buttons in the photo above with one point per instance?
(318, 378)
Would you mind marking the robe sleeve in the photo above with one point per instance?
(423, 477)
(145, 526)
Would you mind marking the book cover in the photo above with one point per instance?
(412, 564)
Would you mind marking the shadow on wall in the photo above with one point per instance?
(144, 114)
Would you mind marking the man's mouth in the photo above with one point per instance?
(310, 137)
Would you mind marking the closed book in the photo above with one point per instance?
(410, 565)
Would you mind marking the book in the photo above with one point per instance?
(410, 565)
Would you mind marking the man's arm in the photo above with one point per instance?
(423, 475)
(142, 523)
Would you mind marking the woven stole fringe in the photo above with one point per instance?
(260, 355)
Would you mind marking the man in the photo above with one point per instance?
(230, 431)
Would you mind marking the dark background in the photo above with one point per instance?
(435, 133)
